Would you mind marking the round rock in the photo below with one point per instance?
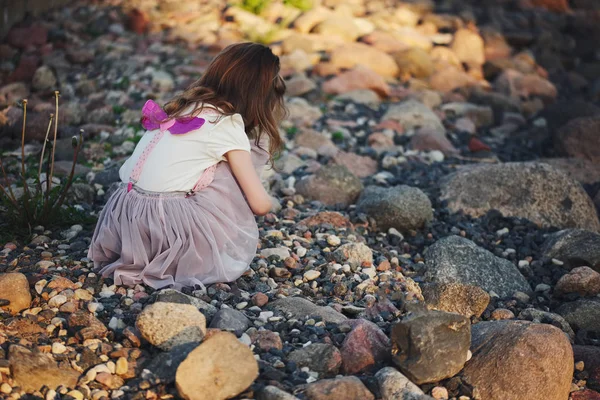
(220, 368)
(514, 360)
(536, 191)
(402, 207)
(167, 325)
(14, 287)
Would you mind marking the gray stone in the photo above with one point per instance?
(515, 360)
(230, 320)
(402, 207)
(536, 191)
(301, 308)
(331, 185)
(456, 259)
(107, 176)
(164, 365)
(431, 346)
(544, 317)
(413, 114)
(174, 296)
(323, 358)
(574, 247)
(582, 314)
(395, 386)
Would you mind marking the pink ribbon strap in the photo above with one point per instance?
(155, 118)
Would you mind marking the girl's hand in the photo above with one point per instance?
(241, 165)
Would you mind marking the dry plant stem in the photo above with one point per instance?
(54, 141)
(44, 148)
(65, 190)
(23, 178)
(26, 194)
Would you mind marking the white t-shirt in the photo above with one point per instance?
(177, 161)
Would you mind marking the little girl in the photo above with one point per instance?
(183, 215)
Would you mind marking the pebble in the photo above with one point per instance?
(5, 388)
(58, 348)
(311, 275)
(333, 240)
(439, 393)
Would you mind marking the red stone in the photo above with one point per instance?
(260, 299)
(138, 21)
(22, 38)
(267, 340)
(28, 64)
(363, 347)
(476, 145)
(335, 219)
(585, 394)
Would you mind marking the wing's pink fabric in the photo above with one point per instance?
(154, 117)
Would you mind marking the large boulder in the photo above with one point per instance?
(402, 207)
(531, 190)
(582, 314)
(456, 297)
(431, 346)
(574, 247)
(579, 169)
(364, 346)
(580, 138)
(220, 368)
(331, 185)
(515, 360)
(14, 288)
(167, 325)
(456, 259)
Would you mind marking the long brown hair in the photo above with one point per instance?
(243, 78)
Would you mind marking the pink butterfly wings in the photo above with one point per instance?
(154, 117)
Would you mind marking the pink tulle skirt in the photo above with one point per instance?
(166, 239)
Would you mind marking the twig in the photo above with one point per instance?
(56, 93)
(44, 148)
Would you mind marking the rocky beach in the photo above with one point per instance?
(435, 227)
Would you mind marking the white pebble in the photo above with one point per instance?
(57, 301)
(311, 275)
(95, 307)
(333, 240)
(557, 262)
(503, 232)
(523, 263)
(58, 348)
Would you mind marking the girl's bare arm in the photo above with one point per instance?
(245, 173)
